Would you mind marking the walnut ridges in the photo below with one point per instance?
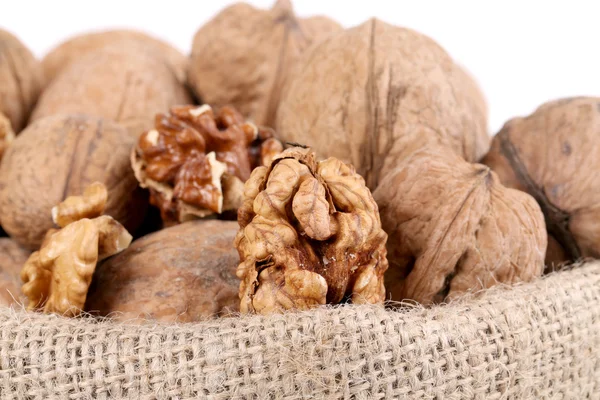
(244, 55)
(183, 273)
(59, 156)
(453, 228)
(20, 81)
(195, 161)
(126, 84)
(374, 94)
(553, 155)
(12, 258)
(75, 48)
(309, 234)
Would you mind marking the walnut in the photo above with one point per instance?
(195, 161)
(60, 156)
(57, 277)
(6, 134)
(115, 83)
(243, 56)
(183, 273)
(12, 259)
(552, 155)
(453, 228)
(353, 98)
(21, 81)
(76, 47)
(310, 235)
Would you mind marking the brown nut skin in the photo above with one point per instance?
(453, 228)
(76, 47)
(553, 155)
(12, 258)
(59, 156)
(117, 84)
(309, 234)
(184, 273)
(373, 94)
(21, 80)
(244, 55)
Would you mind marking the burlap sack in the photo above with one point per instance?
(534, 341)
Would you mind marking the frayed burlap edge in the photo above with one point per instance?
(537, 340)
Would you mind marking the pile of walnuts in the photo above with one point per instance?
(287, 163)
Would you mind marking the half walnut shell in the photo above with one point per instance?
(195, 161)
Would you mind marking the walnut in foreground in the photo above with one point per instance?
(453, 228)
(195, 161)
(184, 273)
(553, 155)
(56, 278)
(309, 234)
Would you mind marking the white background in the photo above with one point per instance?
(523, 53)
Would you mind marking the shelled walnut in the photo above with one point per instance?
(59, 156)
(374, 94)
(12, 259)
(57, 277)
(183, 273)
(195, 161)
(453, 228)
(553, 155)
(21, 81)
(243, 56)
(309, 234)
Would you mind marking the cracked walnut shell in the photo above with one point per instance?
(195, 161)
(453, 228)
(373, 94)
(57, 277)
(309, 234)
(243, 56)
(553, 155)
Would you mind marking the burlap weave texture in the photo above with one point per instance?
(539, 340)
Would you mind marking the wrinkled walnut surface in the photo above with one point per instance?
(59, 156)
(454, 228)
(12, 258)
(74, 48)
(184, 273)
(244, 55)
(309, 234)
(553, 155)
(373, 94)
(21, 80)
(7, 135)
(195, 161)
(127, 84)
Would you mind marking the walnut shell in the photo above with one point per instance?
(59, 156)
(76, 47)
(12, 259)
(243, 56)
(21, 80)
(374, 94)
(184, 273)
(453, 228)
(115, 83)
(553, 155)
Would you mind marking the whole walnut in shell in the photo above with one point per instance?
(59, 156)
(126, 84)
(553, 155)
(309, 234)
(76, 47)
(195, 161)
(6, 134)
(21, 81)
(184, 273)
(12, 258)
(243, 56)
(453, 228)
(374, 94)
